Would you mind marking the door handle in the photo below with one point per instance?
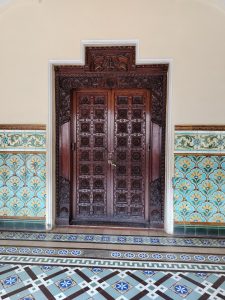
(111, 160)
(113, 164)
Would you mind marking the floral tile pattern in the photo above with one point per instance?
(199, 189)
(200, 141)
(22, 173)
(22, 140)
(22, 185)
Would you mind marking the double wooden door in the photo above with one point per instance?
(111, 161)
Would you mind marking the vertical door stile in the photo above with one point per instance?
(110, 152)
(148, 151)
(74, 153)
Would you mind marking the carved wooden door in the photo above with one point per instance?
(111, 157)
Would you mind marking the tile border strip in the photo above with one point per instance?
(113, 239)
(113, 255)
(153, 265)
(199, 142)
(25, 140)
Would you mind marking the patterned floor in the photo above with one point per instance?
(59, 282)
(59, 272)
(112, 239)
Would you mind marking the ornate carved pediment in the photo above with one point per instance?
(107, 59)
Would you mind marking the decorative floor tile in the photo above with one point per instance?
(61, 272)
(108, 254)
(113, 239)
(134, 284)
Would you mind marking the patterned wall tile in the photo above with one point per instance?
(199, 189)
(200, 141)
(22, 173)
(22, 184)
(22, 140)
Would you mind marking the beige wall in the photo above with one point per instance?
(191, 32)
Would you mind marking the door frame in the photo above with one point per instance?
(51, 180)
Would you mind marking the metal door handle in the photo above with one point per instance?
(111, 160)
(112, 163)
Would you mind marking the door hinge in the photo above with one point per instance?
(73, 146)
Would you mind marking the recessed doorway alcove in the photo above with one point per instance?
(110, 140)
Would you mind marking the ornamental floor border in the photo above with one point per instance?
(108, 254)
(114, 239)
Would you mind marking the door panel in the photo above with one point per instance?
(110, 168)
(90, 131)
(130, 145)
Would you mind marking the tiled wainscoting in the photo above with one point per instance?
(22, 176)
(199, 181)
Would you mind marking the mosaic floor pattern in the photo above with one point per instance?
(63, 272)
(48, 281)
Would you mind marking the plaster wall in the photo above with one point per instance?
(191, 32)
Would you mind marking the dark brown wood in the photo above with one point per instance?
(90, 166)
(100, 59)
(64, 150)
(110, 177)
(130, 175)
(23, 126)
(110, 68)
(201, 127)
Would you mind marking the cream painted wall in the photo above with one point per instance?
(191, 32)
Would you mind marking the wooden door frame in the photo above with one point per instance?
(115, 69)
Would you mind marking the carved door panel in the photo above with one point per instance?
(90, 166)
(131, 155)
(111, 158)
